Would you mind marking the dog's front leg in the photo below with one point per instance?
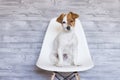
(75, 56)
(60, 57)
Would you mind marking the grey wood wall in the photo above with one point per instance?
(22, 28)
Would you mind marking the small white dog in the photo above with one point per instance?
(65, 45)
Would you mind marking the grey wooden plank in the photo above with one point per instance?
(22, 29)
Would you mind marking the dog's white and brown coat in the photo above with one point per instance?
(65, 45)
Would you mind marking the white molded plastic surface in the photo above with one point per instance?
(84, 55)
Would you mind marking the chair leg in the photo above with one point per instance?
(77, 76)
(53, 76)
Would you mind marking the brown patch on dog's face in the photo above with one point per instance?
(71, 18)
(67, 20)
(60, 18)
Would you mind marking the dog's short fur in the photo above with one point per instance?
(65, 45)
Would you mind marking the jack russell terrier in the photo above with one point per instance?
(65, 45)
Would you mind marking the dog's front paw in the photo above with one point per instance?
(76, 64)
(59, 64)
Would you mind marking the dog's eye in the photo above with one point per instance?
(63, 22)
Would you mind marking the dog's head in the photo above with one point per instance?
(67, 20)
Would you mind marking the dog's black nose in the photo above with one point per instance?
(68, 27)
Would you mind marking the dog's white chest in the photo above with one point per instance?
(66, 40)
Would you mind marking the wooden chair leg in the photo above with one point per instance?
(53, 76)
(77, 76)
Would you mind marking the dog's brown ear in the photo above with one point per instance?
(60, 18)
(74, 15)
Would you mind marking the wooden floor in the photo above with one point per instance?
(22, 28)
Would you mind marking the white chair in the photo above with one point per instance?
(84, 54)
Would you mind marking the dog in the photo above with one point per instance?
(65, 45)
